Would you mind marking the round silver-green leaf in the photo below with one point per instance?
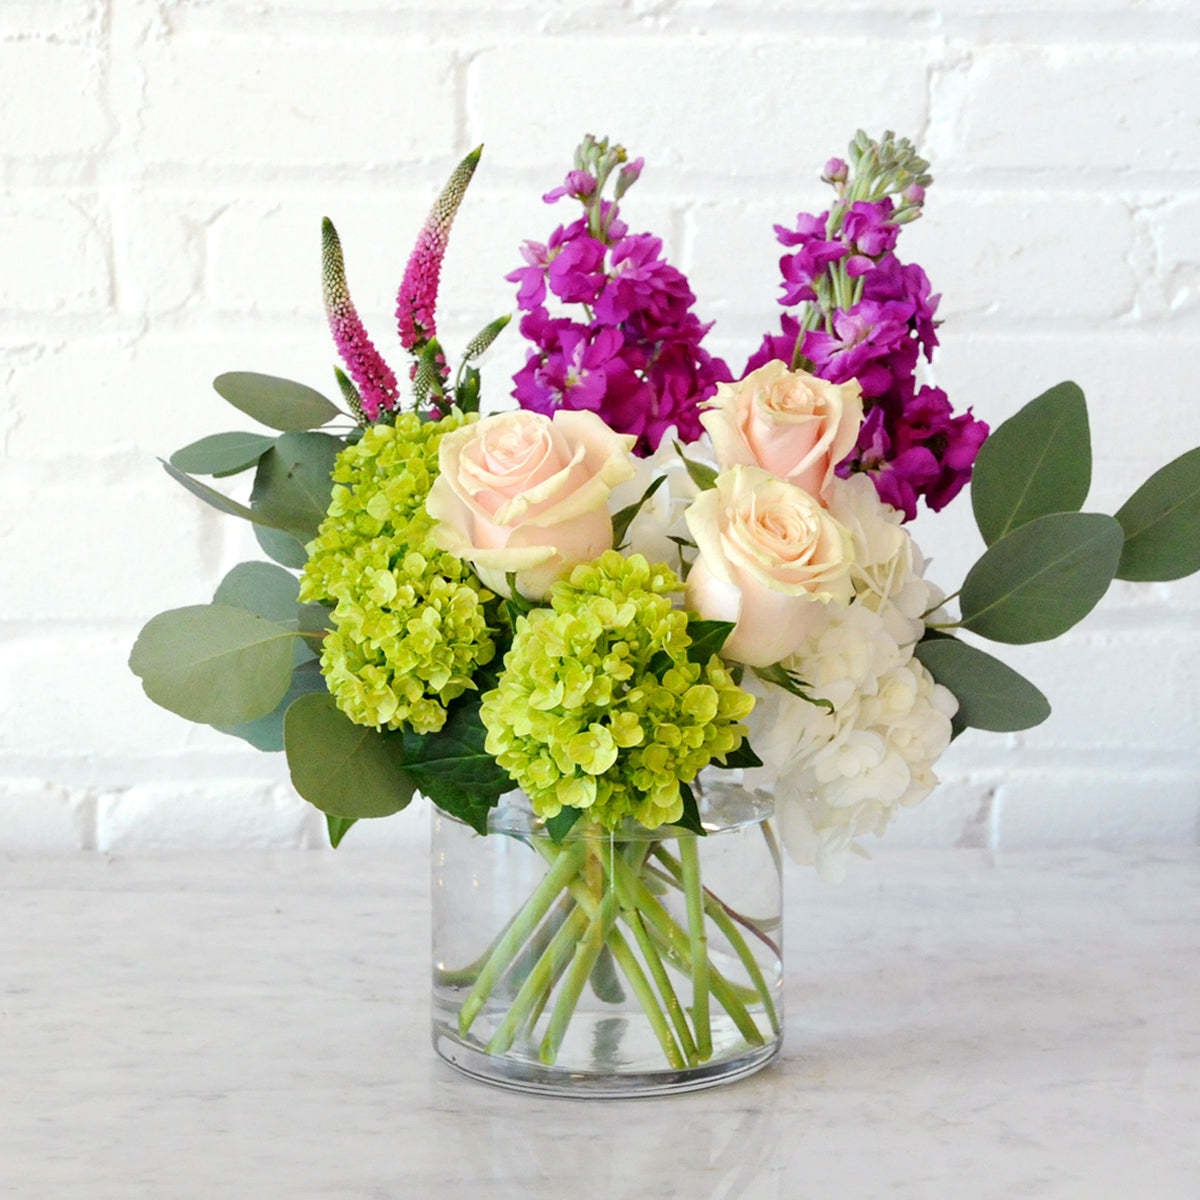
(344, 769)
(1037, 462)
(276, 403)
(222, 453)
(990, 694)
(1038, 581)
(213, 663)
(1162, 523)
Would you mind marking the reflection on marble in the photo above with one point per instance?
(257, 1025)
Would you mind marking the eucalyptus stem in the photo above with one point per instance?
(689, 857)
(565, 865)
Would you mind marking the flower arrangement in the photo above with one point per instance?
(649, 577)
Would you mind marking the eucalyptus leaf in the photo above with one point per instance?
(625, 517)
(1042, 578)
(991, 695)
(1161, 521)
(292, 487)
(217, 500)
(452, 767)
(605, 981)
(707, 638)
(338, 828)
(344, 769)
(1036, 463)
(282, 547)
(213, 663)
(271, 592)
(266, 733)
(261, 588)
(276, 403)
(222, 453)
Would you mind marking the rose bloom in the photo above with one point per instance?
(790, 423)
(770, 556)
(525, 494)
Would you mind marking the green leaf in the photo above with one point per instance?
(261, 588)
(1036, 463)
(222, 453)
(707, 638)
(704, 477)
(1038, 581)
(218, 500)
(467, 390)
(991, 695)
(562, 823)
(1161, 521)
(214, 664)
(338, 828)
(266, 733)
(272, 592)
(625, 517)
(345, 770)
(743, 757)
(452, 767)
(777, 674)
(292, 487)
(691, 813)
(280, 546)
(276, 403)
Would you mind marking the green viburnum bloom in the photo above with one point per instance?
(598, 707)
(411, 624)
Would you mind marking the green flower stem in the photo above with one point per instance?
(566, 864)
(587, 950)
(698, 942)
(625, 959)
(720, 916)
(539, 982)
(728, 995)
(663, 981)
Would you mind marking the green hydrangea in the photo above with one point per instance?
(598, 706)
(411, 623)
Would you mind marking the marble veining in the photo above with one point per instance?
(256, 1024)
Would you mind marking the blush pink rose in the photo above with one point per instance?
(521, 493)
(790, 423)
(770, 557)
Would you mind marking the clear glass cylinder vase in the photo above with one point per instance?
(615, 963)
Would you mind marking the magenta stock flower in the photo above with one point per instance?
(416, 300)
(377, 387)
(635, 356)
(867, 316)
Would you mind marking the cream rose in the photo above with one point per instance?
(526, 494)
(789, 422)
(770, 557)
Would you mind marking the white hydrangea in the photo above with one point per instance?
(840, 775)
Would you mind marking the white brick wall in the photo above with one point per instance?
(163, 168)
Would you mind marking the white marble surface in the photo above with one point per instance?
(255, 1025)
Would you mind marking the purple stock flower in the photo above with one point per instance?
(636, 360)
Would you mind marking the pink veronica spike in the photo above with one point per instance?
(417, 297)
(376, 383)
